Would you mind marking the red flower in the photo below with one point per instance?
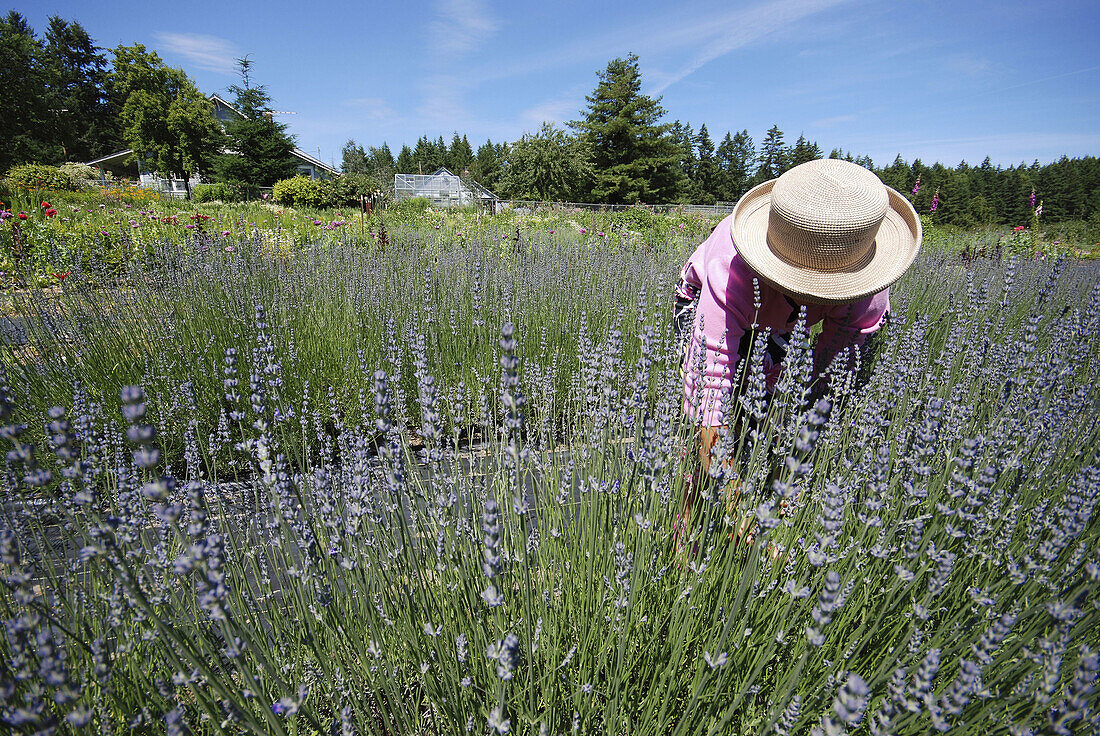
(51, 212)
(22, 215)
(46, 204)
(60, 276)
(1018, 228)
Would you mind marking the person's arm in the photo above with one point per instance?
(849, 325)
(687, 297)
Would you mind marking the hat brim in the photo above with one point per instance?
(896, 246)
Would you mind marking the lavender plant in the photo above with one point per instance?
(326, 495)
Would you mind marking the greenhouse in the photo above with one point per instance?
(443, 188)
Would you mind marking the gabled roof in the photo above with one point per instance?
(218, 100)
(299, 153)
(111, 157)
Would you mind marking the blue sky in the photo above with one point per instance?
(945, 81)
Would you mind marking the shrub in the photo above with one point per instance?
(78, 175)
(38, 176)
(299, 191)
(409, 208)
(345, 191)
(638, 219)
(222, 191)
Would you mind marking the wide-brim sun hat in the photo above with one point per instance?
(826, 232)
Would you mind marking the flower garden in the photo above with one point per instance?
(299, 472)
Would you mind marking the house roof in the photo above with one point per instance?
(299, 153)
(112, 158)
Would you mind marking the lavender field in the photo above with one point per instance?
(434, 487)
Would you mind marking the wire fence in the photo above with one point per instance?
(530, 206)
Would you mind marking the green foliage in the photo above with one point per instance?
(774, 158)
(299, 191)
(39, 176)
(547, 166)
(408, 209)
(169, 124)
(345, 191)
(635, 219)
(27, 99)
(222, 191)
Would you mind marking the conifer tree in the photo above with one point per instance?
(706, 170)
(736, 159)
(406, 161)
(773, 156)
(634, 157)
(259, 147)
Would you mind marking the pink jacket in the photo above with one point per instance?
(723, 284)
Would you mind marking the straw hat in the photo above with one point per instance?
(826, 232)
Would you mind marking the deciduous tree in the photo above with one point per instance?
(548, 166)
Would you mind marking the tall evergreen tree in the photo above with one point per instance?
(353, 159)
(736, 161)
(773, 156)
(634, 157)
(406, 161)
(87, 127)
(803, 152)
(28, 108)
(707, 172)
(427, 158)
(487, 166)
(259, 147)
(381, 160)
(687, 161)
(460, 155)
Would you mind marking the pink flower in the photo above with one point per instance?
(225, 233)
(916, 187)
(584, 230)
(229, 249)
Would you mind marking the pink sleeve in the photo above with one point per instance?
(848, 325)
(691, 279)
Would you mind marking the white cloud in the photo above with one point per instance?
(370, 108)
(720, 36)
(209, 53)
(461, 26)
(558, 110)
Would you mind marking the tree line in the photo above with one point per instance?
(620, 152)
(63, 101)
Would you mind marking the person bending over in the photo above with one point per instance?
(827, 236)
